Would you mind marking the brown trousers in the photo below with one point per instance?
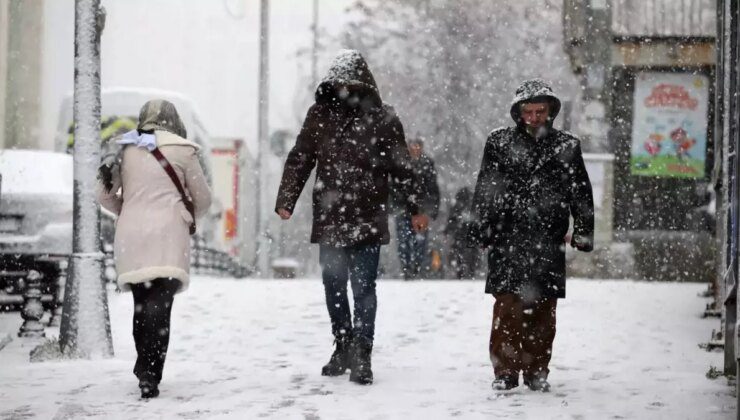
(521, 336)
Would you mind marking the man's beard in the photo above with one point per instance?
(538, 132)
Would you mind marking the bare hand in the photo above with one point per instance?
(420, 222)
(284, 214)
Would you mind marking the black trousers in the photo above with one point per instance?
(152, 310)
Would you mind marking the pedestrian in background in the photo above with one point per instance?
(463, 259)
(413, 245)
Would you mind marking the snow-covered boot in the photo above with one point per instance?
(505, 383)
(360, 363)
(149, 389)
(339, 361)
(537, 384)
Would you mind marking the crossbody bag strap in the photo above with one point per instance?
(175, 180)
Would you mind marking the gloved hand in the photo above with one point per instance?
(420, 222)
(582, 243)
(108, 170)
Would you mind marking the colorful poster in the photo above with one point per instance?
(669, 125)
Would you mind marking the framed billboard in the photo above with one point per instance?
(669, 125)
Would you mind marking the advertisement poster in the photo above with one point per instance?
(669, 127)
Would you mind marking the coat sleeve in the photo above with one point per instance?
(396, 153)
(197, 185)
(434, 198)
(581, 203)
(111, 199)
(487, 199)
(299, 164)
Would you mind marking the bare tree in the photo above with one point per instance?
(450, 67)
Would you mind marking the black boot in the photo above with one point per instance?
(537, 383)
(339, 361)
(505, 383)
(360, 362)
(148, 389)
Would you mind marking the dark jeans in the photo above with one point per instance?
(359, 265)
(152, 310)
(412, 246)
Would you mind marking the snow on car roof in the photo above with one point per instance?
(36, 172)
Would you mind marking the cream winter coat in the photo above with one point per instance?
(152, 238)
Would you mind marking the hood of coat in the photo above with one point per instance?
(349, 81)
(165, 138)
(534, 90)
(162, 115)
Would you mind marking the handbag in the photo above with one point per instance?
(173, 176)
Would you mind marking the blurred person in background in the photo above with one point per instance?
(463, 259)
(412, 245)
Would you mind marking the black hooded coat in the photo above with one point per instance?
(526, 191)
(356, 142)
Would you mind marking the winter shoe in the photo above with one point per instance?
(360, 362)
(537, 384)
(339, 361)
(148, 389)
(505, 383)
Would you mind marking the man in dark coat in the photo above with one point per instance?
(531, 180)
(356, 143)
(412, 246)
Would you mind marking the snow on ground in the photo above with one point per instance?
(254, 349)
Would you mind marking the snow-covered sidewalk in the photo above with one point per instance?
(254, 349)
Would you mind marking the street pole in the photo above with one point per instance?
(85, 329)
(315, 51)
(262, 134)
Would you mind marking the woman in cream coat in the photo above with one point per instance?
(152, 241)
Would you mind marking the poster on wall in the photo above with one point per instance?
(669, 125)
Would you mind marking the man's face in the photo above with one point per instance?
(535, 114)
(415, 150)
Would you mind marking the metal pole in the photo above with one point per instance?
(315, 51)
(4, 33)
(85, 329)
(262, 132)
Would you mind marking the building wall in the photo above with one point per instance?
(664, 18)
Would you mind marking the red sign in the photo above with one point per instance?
(673, 96)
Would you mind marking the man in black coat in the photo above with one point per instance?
(532, 179)
(356, 142)
(412, 246)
